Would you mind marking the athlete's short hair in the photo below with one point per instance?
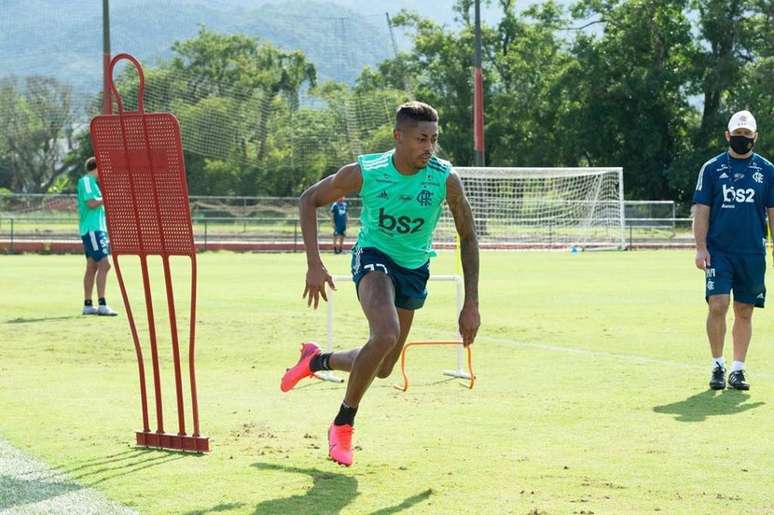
(91, 164)
(414, 112)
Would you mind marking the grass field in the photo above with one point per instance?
(591, 395)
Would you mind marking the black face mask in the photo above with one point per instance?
(742, 144)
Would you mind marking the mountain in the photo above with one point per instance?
(64, 39)
(47, 37)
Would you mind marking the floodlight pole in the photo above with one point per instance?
(478, 95)
(107, 102)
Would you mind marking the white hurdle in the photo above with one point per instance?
(458, 373)
(328, 375)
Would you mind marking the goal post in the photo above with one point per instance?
(543, 208)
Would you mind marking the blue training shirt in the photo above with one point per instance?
(339, 210)
(738, 192)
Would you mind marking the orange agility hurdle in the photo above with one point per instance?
(145, 192)
(458, 372)
(470, 375)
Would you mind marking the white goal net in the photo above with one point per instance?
(543, 208)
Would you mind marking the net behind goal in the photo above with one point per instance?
(543, 208)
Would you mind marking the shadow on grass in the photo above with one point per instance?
(81, 464)
(697, 408)
(220, 508)
(112, 472)
(408, 503)
(99, 470)
(16, 492)
(330, 492)
(22, 320)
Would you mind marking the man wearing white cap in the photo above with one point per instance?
(734, 192)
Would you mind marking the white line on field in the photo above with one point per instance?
(634, 358)
(30, 486)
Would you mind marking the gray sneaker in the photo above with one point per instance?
(105, 311)
(89, 310)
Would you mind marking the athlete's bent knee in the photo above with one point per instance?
(385, 341)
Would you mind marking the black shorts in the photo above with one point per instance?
(96, 245)
(410, 283)
(744, 274)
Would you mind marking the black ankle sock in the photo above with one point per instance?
(321, 362)
(102, 301)
(346, 416)
(87, 302)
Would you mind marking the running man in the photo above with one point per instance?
(733, 194)
(93, 230)
(402, 191)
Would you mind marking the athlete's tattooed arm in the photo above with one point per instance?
(470, 319)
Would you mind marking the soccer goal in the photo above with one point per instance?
(543, 208)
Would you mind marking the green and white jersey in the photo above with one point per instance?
(91, 218)
(400, 212)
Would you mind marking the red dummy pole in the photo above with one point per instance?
(142, 174)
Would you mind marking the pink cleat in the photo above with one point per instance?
(340, 444)
(301, 369)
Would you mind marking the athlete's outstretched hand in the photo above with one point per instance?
(470, 320)
(316, 277)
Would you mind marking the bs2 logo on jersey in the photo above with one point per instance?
(731, 194)
(401, 224)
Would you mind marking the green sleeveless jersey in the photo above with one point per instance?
(91, 218)
(400, 212)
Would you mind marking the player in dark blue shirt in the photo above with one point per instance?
(339, 219)
(734, 194)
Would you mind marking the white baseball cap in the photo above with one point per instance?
(742, 120)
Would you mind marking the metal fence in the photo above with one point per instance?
(38, 217)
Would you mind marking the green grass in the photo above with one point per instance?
(591, 394)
